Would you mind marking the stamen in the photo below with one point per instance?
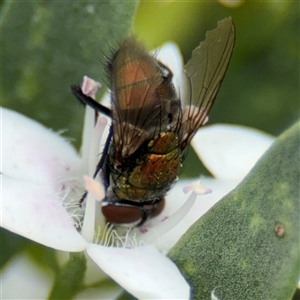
(95, 143)
(87, 135)
(110, 237)
(90, 87)
(94, 187)
(97, 236)
(197, 188)
(90, 211)
(108, 231)
(176, 218)
(89, 219)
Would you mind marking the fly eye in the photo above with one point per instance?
(133, 214)
(122, 213)
(156, 208)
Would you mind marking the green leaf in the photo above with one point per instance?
(247, 246)
(49, 45)
(69, 281)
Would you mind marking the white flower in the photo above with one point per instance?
(42, 182)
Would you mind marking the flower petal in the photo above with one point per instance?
(87, 135)
(144, 271)
(32, 152)
(230, 151)
(36, 212)
(38, 168)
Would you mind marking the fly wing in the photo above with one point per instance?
(204, 74)
(139, 94)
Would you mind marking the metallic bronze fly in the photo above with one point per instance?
(151, 126)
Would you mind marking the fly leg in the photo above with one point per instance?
(86, 100)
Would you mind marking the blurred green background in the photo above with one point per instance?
(49, 45)
(261, 87)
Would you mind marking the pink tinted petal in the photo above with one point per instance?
(35, 211)
(32, 152)
(230, 151)
(144, 272)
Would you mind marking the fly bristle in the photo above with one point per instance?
(109, 59)
(106, 60)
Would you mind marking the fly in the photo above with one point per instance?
(151, 126)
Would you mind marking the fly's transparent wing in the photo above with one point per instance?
(143, 97)
(204, 74)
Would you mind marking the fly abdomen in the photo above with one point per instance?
(152, 173)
